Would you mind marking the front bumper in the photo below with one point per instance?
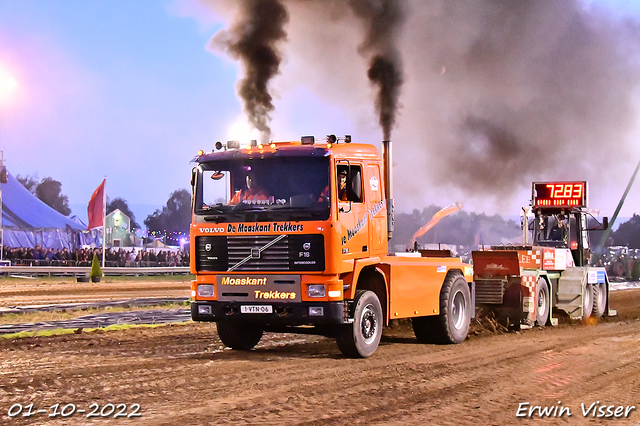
(282, 313)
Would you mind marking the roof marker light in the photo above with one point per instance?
(200, 152)
(273, 145)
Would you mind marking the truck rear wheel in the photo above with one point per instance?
(452, 325)
(239, 336)
(542, 302)
(587, 301)
(599, 299)
(361, 338)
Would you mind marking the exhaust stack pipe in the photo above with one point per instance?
(388, 186)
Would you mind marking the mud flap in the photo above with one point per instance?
(569, 293)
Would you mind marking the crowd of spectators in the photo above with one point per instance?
(131, 257)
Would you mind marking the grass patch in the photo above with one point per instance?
(63, 331)
(47, 316)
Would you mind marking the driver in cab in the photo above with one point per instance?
(251, 194)
(342, 188)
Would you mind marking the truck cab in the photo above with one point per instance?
(293, 237)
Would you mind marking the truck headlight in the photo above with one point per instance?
(205, 290)
(316, 290)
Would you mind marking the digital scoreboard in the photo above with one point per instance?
(559, 194)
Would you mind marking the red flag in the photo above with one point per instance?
(95, 210)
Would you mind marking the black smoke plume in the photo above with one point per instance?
(253, 40)
(495, 93)
(383, 19)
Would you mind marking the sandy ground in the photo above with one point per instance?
(181, 374)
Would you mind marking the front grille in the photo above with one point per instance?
(273, 258)
(490, 291)
(260, 253)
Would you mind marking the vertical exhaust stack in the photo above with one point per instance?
(388, 185)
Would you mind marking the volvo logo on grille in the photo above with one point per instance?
(306, 246)
(207, 247)
(255, 253)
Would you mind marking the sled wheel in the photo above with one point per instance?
(599, 299)
(543, 304)
(587, 301)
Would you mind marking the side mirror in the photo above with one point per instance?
(217, 175)
(193, 176)
(605, 222)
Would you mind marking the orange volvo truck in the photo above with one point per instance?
(293, 237)
(524, 285)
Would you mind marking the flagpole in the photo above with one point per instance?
(104, 220)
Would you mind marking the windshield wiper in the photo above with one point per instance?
(212, 209)
(245, 208)
(216, 219)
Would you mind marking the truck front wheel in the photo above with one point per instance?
(239, 336)
(360, 339)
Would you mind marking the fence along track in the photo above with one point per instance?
(82, 270)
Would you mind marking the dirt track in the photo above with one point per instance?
(38, 292)
(182, 375)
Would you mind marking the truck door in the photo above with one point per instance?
(377, 212)
(352, 212)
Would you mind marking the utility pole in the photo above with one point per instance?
(606, 233)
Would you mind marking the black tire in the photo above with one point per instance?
(599, 300)
(423, 328)
(543, 302)
(361, 338)
(587, 301)
(452, 324)
(239, 336)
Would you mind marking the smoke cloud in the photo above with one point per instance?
(495, 93)
(253, 40)
(383, 19)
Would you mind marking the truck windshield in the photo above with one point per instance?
(551, 230)
(278, 188)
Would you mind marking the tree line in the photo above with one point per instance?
(462, 228)
(175, 215)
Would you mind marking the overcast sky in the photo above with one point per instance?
(493, 98)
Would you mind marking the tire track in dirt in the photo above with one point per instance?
(181, 374)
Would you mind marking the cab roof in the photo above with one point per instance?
(292, 149)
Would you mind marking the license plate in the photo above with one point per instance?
(255, 309)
